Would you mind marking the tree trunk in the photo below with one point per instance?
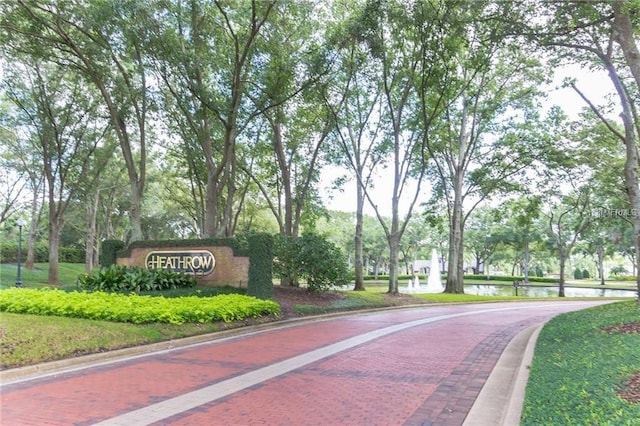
(624, 35)
(394, 251)
(54, 243)
(455, 274)
(563, 261)
(135, 213)
(601, 263)
(525, 260)
(90, 242)
(358, 242)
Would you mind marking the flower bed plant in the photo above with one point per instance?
(129, 279)
(134, 308)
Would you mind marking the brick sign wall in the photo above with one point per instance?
(211, 266)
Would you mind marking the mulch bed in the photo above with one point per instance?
(631, 389)
(288, 297)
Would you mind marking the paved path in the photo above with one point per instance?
(422, 366)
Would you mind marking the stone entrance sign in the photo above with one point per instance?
(211, 266)
(195, 262)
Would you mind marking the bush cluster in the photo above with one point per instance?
(313, 259)
(510, 278)
(9, 253)
(580, 274)
(401, 277)
(134, 308)
(125, 279)
(625, 278)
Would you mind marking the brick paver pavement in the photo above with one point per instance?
(422, 366)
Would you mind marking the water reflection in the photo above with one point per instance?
(536, 291)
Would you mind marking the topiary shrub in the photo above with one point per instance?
(260, 266)
(577, 274)
(109, 252)
(585, 274)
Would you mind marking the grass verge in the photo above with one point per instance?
(37, 277)
(27, 339)
(583, 362)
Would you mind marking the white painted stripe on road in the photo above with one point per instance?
(171, 407)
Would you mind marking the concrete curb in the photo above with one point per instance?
(501, 398)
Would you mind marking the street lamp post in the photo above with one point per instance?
(20, 224)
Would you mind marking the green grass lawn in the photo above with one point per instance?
(38, 276)
(582, 361)
(26, 339)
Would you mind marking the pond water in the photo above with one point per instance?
(536, 291)
(532, 291)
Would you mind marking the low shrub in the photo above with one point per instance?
(134, 308)
(125, 279)
(624, 278)
(321, 263)
(577, 274)
(9, 253)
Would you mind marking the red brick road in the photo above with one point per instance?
(428, 373)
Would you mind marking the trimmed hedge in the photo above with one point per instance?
(401, 277)
(260, 266)
(9, 253)
(134, 308)
(109, 252)
(238, 245)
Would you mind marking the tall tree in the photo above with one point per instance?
(567, 222)
(59, 113)
(358, 86)
(393, 32)
(603, 34)
(205, 55)
(521, 214)
(103, 41)
(484, 140)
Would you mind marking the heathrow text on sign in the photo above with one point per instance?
(196, 262)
